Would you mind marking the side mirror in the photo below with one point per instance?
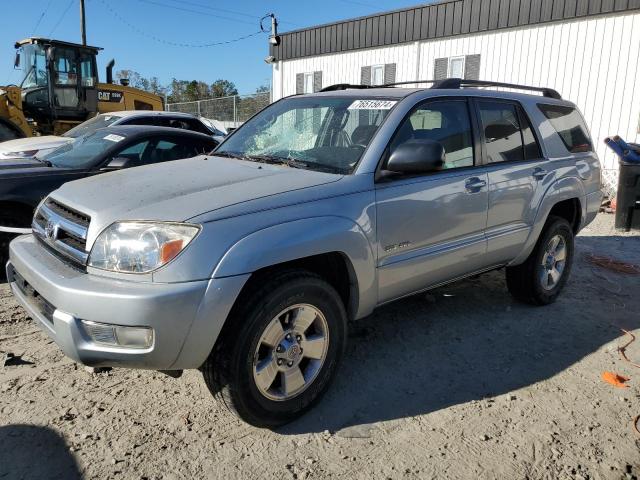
(118, 163)
(16, 61)
(417, 156)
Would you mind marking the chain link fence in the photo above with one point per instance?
(231, 111)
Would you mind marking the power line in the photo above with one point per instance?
(232, 12)
(41, 16)
(64, 14)
(152, 2)
(168, 42)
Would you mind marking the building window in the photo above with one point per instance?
(377, 75)
(456, 67)
(467, 67)
(308, 83)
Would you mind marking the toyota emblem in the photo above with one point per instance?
(50, 230)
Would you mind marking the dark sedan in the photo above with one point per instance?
(24, 182)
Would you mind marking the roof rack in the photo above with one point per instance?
(345, 86)
(457, 83)
(452, 84)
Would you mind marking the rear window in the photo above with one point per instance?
(570, 125)
(99, 121)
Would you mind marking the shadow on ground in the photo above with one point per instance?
(28, 451)
(470, 340)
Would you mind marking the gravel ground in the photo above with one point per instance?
(461, 382)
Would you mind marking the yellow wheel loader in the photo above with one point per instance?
(60, 89)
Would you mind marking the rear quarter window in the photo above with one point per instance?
(570, 126)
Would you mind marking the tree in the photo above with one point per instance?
(223, 88)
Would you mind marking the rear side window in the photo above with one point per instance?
(569, 124)
(507, 132)
(502, 133)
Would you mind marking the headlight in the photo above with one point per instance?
(22, 154)
(140, 247)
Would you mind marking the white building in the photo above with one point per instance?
(588, 50)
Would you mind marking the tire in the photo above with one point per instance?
(252, 339)
(526, 282)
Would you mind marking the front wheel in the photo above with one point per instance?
(281, 350)
(541, 278)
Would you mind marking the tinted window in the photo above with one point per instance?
(167, 150)
(135, 153)
(445, 122)
(569, 124)
(197, 126)
(184, 124)
(141, 121)
(531, 147)
(501, 127)
(91, 125)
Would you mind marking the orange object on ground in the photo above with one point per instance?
(615, 379)
(613, 265)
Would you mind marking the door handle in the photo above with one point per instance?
(539, 173)
(474, 184)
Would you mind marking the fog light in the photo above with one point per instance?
(118, 335)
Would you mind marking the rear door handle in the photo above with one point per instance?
(539, 173)
(474, 184)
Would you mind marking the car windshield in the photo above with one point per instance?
(315, 133)
(82, 152)
(91, 125)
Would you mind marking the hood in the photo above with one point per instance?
(182, 189)
(11, 166)
(47, 142)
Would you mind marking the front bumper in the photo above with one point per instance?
(186, 315)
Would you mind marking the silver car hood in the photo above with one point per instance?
(180, 190)
(47, 142)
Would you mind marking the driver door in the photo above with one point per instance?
(431, 227)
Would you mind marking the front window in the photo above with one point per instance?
(91, 125)
(33, 62)
(321, 133)
(82, 152)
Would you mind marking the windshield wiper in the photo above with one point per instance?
(46, 162)
(238, 156)
(295, 163)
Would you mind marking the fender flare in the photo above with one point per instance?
(297, 239)
(566, 188)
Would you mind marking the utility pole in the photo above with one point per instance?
(83, 25)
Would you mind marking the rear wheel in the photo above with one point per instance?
(279, 354)
(541, 278)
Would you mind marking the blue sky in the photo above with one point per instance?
(143, 43)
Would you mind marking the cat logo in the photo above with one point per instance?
(109, 96)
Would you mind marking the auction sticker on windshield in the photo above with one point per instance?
(113, 137)
(372, 105)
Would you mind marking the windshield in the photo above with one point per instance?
(315, 133)
(82, 152)
(33, 62)
(91, 125)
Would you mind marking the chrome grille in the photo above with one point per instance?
(63, 229)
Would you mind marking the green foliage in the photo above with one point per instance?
(182, 90)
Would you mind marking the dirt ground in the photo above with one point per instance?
(461, 382)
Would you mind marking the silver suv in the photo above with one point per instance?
(248, 263)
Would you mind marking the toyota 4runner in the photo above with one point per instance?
(248, 263)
